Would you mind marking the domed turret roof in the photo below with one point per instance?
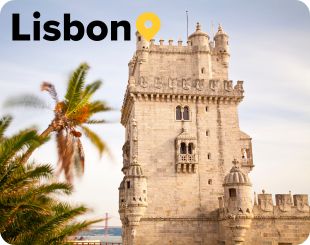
(220, 31)
(198, 32)
(236, 176)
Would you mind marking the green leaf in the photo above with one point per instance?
(98, 106)
(75, 87)
(4, 124)
(95, 139)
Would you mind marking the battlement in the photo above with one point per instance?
(178, 47)
(285, 205)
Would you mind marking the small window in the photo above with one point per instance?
(190, 148)
(203, 70)
(209, 156)
(186, 113)
(207, 108)
(207, 133)
(139, 38)
(178, 113)
(232, 192)
(128, 184)
(144, 191)
(210, 181)
(183, 148)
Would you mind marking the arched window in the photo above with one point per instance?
(186, 113)
(209, 156)
(183, 148)
(178, 113)
(190, 148)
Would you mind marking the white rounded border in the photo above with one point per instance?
(307, 242)
(306, 2)
(2, 3)
(2, 242)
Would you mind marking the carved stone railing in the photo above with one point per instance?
(187, 158)
(186, 163)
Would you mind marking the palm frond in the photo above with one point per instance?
(70, 230)
(67, 157)
(4, 124)
(27, 100)
(80, 155)
(98, 106)
(85, 97)
(61, 145)
(75, 87)
(95, 139)
(30, 212)
(91, 88)
(13, 145)
(64, 213)
(50, 88)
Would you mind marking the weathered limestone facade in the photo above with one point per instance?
(186, 161)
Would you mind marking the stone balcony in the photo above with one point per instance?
(186, 163)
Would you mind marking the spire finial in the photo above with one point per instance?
(220, 27)
(235, 162)
(198, 26)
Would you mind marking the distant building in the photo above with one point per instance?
(186, 161)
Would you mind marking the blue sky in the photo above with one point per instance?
(269, 43)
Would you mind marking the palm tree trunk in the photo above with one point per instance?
(44, 134)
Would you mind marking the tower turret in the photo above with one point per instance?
(135, 193)
(199, 38)
(222, 46)
(143, 47)
(237, 191)
(237, 203)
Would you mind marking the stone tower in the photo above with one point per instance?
(186, 161)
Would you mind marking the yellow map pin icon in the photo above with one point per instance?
(148, 33)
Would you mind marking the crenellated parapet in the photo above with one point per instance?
(286, 206)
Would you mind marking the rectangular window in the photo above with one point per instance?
(128, 184)
(232, 192)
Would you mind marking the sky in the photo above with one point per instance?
(269, 44)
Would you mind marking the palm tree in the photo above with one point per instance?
(30, 212)
(71, 115)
